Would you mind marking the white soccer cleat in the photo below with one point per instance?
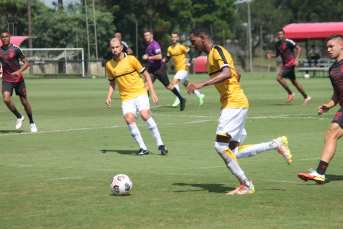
(243, 189)
(307, 100)
(19, 122)
(33, 127)
(283, 149)
(313, 175)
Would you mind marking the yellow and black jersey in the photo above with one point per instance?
(231, 94)
(126, 74)
(178, 53)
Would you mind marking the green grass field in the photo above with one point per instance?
(59, 177)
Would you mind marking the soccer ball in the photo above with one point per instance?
(306, 76)
(121, 184)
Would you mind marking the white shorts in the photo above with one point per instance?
(232, 121)
(182, 75)
(139, 103)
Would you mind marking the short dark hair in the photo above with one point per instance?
(175, 33)
(200, 30)
(4, 31)
(281, 30)
(334, 36)
(148, 31)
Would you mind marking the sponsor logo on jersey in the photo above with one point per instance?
(11, 54)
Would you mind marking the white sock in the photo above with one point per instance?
(197, 93)
(150, 123)
(178, 89)
(136, 134)
(252, 150)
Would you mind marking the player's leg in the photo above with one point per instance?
(230, 124)
(334, 133)
(185, 82)
(129, 110)
(280, 78)
(299, 87)
(20, 90)
(7, 90)
(175, 83)
(144, 109)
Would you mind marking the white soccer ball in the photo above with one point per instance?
(307, 76)
(121, 184)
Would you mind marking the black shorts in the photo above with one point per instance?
(159, 73)
(19, 87)
(287, 72)
(338, 117)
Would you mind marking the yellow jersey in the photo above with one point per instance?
(178, 53)
(231, 93)
(126, 74)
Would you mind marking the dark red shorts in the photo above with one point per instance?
(338, 117)
(19, 87)
(287, 72)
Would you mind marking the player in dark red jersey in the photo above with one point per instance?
(335, 49)
(12, 78)
(285, 49)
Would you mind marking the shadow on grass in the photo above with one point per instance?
(330, 178)
(130, 152)
(11, 131)
(217, 188)
(120, 195)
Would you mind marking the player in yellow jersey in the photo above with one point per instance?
(124, 70)
(234, 109)
(178, 52)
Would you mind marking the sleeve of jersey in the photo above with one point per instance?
(221, 59)
(137, 65)
(184, 49)
(168, 52)
(126, 45)
(109, 72)
(20, 54)
(157, 49)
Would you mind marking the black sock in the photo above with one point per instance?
(304, 94)
(322, 167)
(148, 93)
(16, 113)
(175, 91)
(30, 117)
(288, 90)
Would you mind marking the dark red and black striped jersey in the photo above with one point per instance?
(336, 77)
(286, 50)
(10, 63)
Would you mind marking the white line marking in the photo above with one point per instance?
(212, 167)
(285, 181)
(20, 165)
(184, 174)
(309, 159)
(65, 178)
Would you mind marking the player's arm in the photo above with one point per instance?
(111, 89)
(166, 59)
(156, 57)
(25, 66)
(238, 76)
(222, 76)
(296, 61)
(191, 55)
(151, 87)
(325, 107)
(276, 54)
(129, 51)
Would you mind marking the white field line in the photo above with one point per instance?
(125, 126)
(309, 159)
(281, 181)
(65, 178)
(184, 174)
(20, 165)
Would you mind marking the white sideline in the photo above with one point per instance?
(65, 178)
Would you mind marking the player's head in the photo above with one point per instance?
(5, 37)
(334, 43)
(175, 37)
(313, 46)
(199, 36)
(148, 36)
(281, 34)
(117, 35)
(116, 47)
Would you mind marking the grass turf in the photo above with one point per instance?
(60, 176)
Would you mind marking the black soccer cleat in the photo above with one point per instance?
(163, 149)
(142, 152)
(182, 104)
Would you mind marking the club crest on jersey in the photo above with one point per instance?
(11, 54)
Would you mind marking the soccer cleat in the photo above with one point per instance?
(142, 152)
(313, 175)
(243, 189)
(290, 97)
(183, 104)
(33, 127)
(176, 103)
(201, 100)
(283, 149)
(19, 123)
(307, 100)
(163, 149)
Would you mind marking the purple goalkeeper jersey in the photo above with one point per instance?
(153, 49)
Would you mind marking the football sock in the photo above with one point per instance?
(16, 113)
(137, 135)
(150, 123)
(178, 89)
(148, 93)
(197, 93)
(252, 150)
(288, 90)
(30, 117)
(304, 94)
(175, 91)
(322, 167)
(231, 162)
